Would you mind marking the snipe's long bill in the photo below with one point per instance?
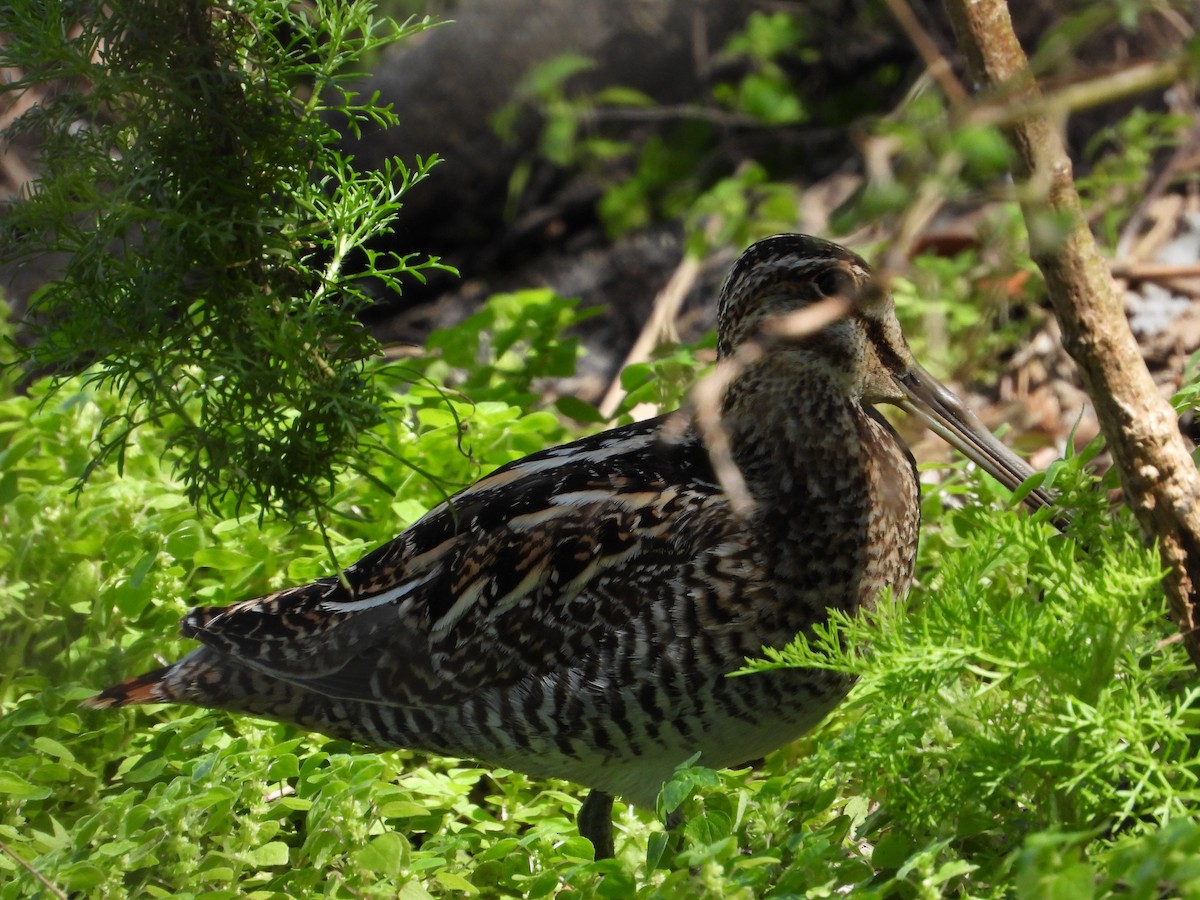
(575, 614)
(952, 420)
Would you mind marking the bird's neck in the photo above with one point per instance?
(790, 434)
(836, 501)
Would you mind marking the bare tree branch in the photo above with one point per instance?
(1156, 470)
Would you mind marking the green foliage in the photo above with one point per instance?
(213, 232)
(1187, 398)
(503, 349)
(1022, 700)
(1122, 158)
(664, 380)
(545, 85)
(185, 803)
(922, 153)
(965, 312)
(739, 209)
(670, 173)
(662, 182)
(765, 93)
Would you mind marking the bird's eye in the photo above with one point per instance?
(836, 282)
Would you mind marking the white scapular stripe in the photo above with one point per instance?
(400, 590)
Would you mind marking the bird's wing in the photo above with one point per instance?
(528, 568)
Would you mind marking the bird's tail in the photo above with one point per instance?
(209, 678)
(181, 682)
(147, 688)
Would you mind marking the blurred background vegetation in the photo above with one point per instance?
(239, 347)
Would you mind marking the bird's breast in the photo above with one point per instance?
(838, 510)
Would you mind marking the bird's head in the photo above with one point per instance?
(816, 303)
(814, 307)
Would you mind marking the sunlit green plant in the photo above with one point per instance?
(1121, 161)
(212, 231)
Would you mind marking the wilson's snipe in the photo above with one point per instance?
(575, 613)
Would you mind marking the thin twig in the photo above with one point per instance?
(916, 217)
(1167, 210)
(927, 47)
(694, 113)
(802, 323)
(1005, 110)
(707, 395)
(1002, 111)
(32, 871)
(1136, 271)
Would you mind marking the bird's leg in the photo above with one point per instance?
(595, 823)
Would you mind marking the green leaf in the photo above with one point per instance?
(17, 787)
(578, 410)
(222, 558)
(549, 75)
(51, 747)
(402, 809)
(81, 876)
(385, 854)
(892, 850)
(413, 890)
(148, 768)
(616, 95)
(273, 853)
(452, 881)
(543, 885)
(185, 540)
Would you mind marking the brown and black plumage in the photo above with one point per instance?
(576, 613)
